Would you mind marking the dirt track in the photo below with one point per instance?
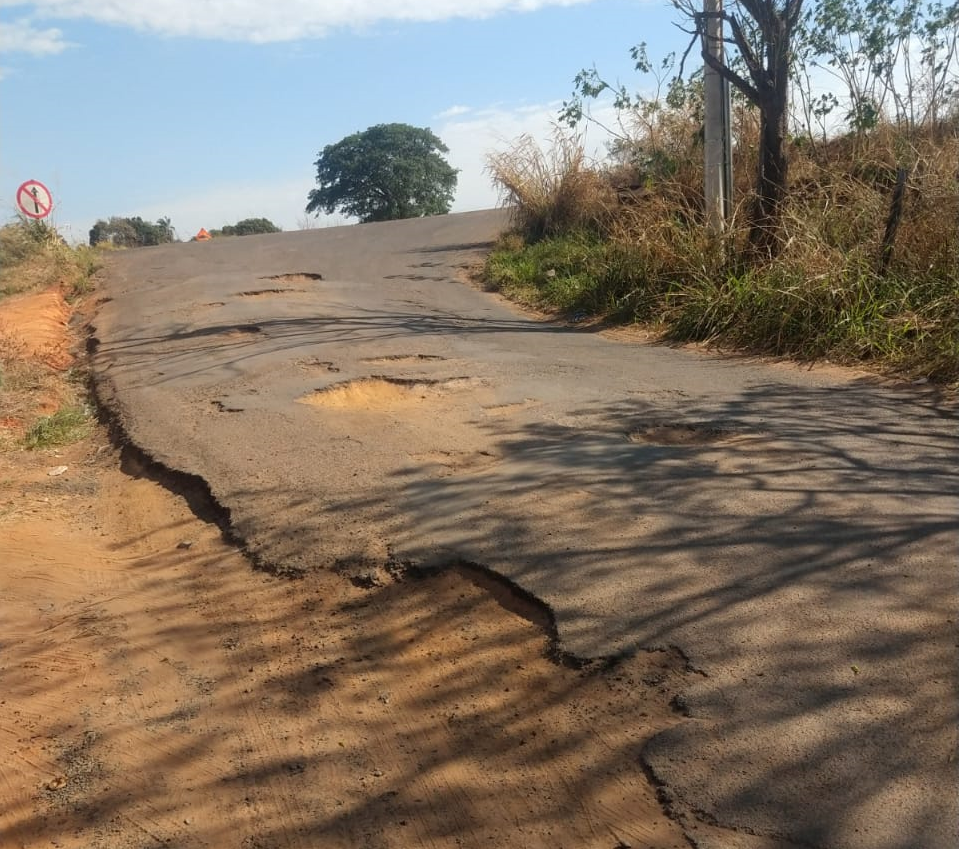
(156, 691)
(156, 694)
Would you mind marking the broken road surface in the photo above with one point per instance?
(353, 404)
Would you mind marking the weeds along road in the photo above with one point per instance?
(354, 405)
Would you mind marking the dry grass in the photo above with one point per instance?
(25, 383)
(551, 192)
(19, 374)
(647, 257)
(40, 404)
(33, 256)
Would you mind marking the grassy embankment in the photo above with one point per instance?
(628, 244)
(42, 404)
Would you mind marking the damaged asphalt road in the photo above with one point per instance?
(352, 403)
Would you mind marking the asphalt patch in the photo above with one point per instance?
(404, 358)
(681, 434)
(295, 277)
(265, 293)
(380, 392)
(243, 330)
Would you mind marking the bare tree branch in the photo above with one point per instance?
(756, 70)
(735, 79)
(682, 62)
(792, 12)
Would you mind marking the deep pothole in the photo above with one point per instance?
(294, 277)
(316, 364)
(685, 433)
(381, 392)
(403, 358)
(242, 330)
(266, 293)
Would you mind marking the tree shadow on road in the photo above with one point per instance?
(804, 559)
(798, 545)
(187, 350)
(242, 710)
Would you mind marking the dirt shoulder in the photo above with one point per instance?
(155, 690)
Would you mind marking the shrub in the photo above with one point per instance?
(644, 254)
(67, 425)
(552, 192)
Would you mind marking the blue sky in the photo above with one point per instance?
(211, 112)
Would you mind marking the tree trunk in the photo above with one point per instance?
(765, 234)
(771, 183)
(766, 85)
(892, 222)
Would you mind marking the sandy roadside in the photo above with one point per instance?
(155, 690)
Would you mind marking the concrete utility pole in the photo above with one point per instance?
(717, 137)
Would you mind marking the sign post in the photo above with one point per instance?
(34, 199)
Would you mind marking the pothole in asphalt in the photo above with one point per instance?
(681, 434)
(242, 330)
(378, 392)
(316, 364)
(446, 463)
(223, 407)
(266, 293)
(404, 358)
(362, 572)
(295, 277)
(510, 409)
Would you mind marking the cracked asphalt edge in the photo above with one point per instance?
(198, 494)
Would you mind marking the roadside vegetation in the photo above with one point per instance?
(247, 227)
(66, 425)
(384, 173)
(858, 261)
(132, 232)
(33, 256)
(135, 232)
(42, 279)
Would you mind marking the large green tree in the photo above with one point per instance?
(132, 232)
(387, 172)
(248, 227)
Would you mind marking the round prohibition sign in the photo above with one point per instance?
(34, 199)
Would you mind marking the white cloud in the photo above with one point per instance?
(453, 111)
(281, 20)
(21, 36)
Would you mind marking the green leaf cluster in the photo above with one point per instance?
(386, 172)
(132, 232)
(67, 425)
(247, 227)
